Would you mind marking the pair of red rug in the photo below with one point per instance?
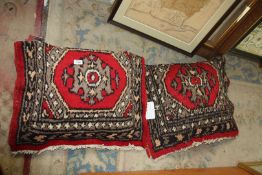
(77, 98)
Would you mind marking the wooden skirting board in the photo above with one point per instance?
(197, 171)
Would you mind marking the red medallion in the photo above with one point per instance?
(195, 85)
(96, 83)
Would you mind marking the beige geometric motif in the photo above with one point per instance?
(92, 78)
(195, 83)
(40, 138)
(157, 142)
(199, 130)
(179, 137)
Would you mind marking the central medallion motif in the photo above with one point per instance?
(92, 83)
(195, 85)
(93, 78)
(97, 79)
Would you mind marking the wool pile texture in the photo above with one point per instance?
(191, 106)
(68, 98)
(73, 98)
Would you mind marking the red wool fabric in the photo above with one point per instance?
(64, 104)
(191, 106)
(74, 98)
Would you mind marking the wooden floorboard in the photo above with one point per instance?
(197, 171)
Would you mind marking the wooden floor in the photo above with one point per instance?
(200, 171)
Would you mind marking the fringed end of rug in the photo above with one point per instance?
(208, 139)
(74, 147)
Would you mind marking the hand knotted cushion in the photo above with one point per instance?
(70, 98)
(191, 106)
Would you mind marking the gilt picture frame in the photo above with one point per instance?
(179, 24)
(254, 168)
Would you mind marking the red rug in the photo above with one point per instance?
(70, 98)
(191, 106)
(76, 98)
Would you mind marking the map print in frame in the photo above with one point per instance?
(179, 23)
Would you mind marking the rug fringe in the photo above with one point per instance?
(74, 147)
(196, 144)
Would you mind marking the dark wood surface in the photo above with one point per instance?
(235, 32)
(198, 171)
(242, 28)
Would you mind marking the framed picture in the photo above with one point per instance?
(254, 168)
(181, 24)
(251, 44)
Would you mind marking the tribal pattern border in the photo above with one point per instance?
(175, 125)
(40, 98)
